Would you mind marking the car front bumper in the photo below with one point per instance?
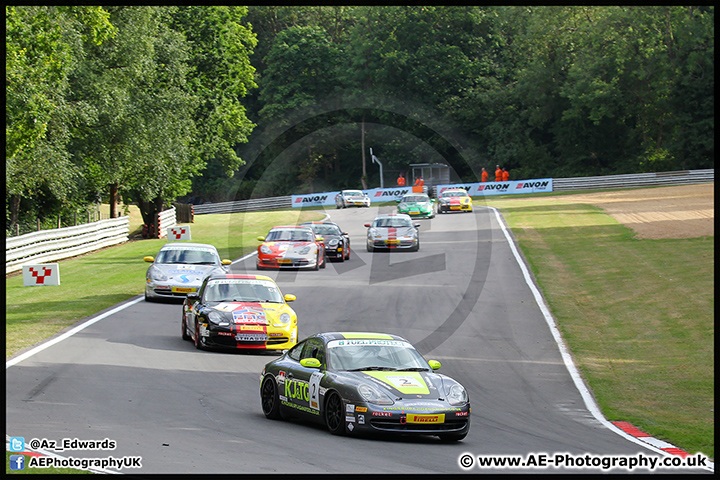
(417, 418)
(214, 336)
(168, 290)
(393, 243)
(278, 262)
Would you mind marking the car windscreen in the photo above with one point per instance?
(190, 256)
(353, 193)
(290, 235)
(326, 230)
(390, 222)
(454, 194)
(232, 290)
(415, 199)
(374, 354)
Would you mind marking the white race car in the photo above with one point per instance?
(179, 268)
(394, 231)
(352, 198)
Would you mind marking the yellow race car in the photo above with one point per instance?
(231, 311)
(454, 200)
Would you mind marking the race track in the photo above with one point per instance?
(461, 299)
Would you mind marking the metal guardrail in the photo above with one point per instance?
(272, 203)
(659, 179)
(166, 219)
(683, 177)
(49, 245)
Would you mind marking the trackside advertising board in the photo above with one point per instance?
(328, 198)
(502, 188)
(314, 199)
(396, 193)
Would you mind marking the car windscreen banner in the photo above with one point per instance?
(502, 188)
(314, 199)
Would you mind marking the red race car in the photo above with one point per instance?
(291, 246)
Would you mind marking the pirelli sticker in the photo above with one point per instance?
(418, 418)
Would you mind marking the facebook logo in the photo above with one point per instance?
(17, 462)
(17, 444)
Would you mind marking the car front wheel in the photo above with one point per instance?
(334, 414)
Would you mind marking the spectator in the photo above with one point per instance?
(498, 174)
(484, 175)
(505, 175)
(401, 180)
(419, 182)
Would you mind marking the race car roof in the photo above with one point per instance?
(327, 336)
(238, 276)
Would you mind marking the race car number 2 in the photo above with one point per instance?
(315, 390)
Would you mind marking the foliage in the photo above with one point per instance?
(158, 102)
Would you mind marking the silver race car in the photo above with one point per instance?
(393, 231)
(179, 268)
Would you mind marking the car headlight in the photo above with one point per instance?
(156, 274)
(333, 242)
(283, 320)
(305, 250)
(216, 317)
(265, 249)
(373, 395)
(456, 394)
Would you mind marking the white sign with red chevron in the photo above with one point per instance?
(178, 233)
(42, 274)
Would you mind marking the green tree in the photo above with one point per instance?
(137, 131)
(43, 45)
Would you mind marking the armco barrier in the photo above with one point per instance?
(659, 179)
(272, 203)
(166, 219)
(50, 245)
(683, 177)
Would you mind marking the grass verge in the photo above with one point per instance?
(96, 281)
(637, 315)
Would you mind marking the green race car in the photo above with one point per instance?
(417, 205)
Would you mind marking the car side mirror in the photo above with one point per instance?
(262, 239)
(367, 225)
(319, 238)
(192, 296)
(149, 259)
(226, 262)
(289, 297)
(416, 225)
(310, 363)
(434, 364)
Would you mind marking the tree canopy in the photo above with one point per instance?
(157, 103)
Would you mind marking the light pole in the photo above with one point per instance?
(375, 159)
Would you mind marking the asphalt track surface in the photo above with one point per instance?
(461, 299)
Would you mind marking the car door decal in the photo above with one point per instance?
(315, 390)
